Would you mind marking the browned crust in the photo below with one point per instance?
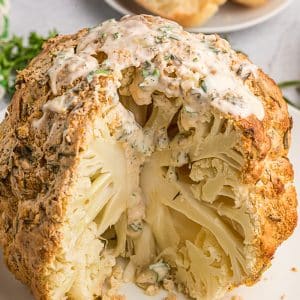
(266, 145)
(35, 170)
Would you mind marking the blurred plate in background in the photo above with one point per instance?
(231, 17)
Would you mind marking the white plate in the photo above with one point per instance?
(231, 16)
(278, 281)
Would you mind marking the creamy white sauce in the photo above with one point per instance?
(72, 66)
(58, 105)
(134, 41)
(58, 65)
(232, 99)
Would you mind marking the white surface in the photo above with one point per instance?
(230, 17)
(274, 45)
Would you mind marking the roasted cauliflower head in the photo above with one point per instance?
(136, 151)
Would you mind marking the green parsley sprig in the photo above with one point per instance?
(15, 55)
(290, 84)
(287, 84)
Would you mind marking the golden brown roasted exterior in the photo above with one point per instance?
(41, 157)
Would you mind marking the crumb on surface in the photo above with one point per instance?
(283, 297)
(171, 296)
(114, 297)
(236, 298)
(181, 288)
(152, 290)
(168, 285)
(115, 282)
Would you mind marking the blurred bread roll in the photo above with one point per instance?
(251, 3)
(186, 12)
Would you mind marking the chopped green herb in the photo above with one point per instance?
(166, 28)
(195, 59)
(165, 33)
(160, 39)
(147, 64)
(203, 85)
(103, 71)
(15, 55)
(103, 35)
(174, 37)
(146, 73)
(116, 35)
(91, 75)
(214, 49)
(136, 226)
(155, 73)
(172, 57)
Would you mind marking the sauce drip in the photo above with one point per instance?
(172, 61)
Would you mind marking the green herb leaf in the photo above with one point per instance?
(155, 73)
(91, 75)
(147, 72)
(4, 33)
(103, 71)
(103, 35)
(174, 37)
(15, 55)
(116, 35)
(203, 85)
(136, 226)
(166, 28)
(214, 49)
(291, 83)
